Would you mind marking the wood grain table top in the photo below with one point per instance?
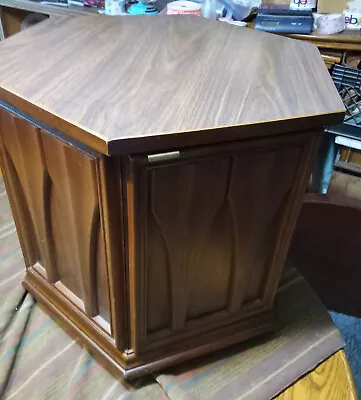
(331, 380)
(116, 84)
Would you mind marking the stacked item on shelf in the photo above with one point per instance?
(94, 3)
(350, 8)
(329, 16)
(56, 2)
(348, 82)
(66, 3)
(284, 19)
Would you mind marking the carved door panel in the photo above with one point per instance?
(54, 191)
(205, 231)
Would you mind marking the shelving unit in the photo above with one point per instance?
(12, 13)
(36, 6)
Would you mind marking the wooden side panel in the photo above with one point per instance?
(184, 208)
(24, 152)
(62, 216)
(259, 190)
(111, 208)
(54, 191)
(74, 179)
(101, 279)
(16, 194)
(207, 232)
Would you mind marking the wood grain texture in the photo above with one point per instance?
(17, 199)
(182, 70)
(62, 307)
(110, 192)
(54, 192)
(33, 187)
(213, 221)
(125, 364)
(74, 175)
(152, 260)
(141, 234)
(332, 380)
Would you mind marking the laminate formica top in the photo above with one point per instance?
(147, 83)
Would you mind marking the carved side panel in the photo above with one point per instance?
(259, 191)
(16, 193)
(186, 209)
(54, 195)
(207, 233)
(23, 148)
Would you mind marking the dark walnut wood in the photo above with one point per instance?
(173, 246)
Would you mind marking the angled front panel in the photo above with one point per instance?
(208, 228)
(53, 188)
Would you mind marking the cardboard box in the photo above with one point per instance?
(331, 6)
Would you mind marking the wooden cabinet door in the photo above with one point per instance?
(208, 232)
(53, 189)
